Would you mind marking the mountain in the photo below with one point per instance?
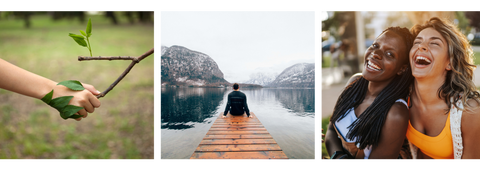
(182, 66)
(261, 78)
(300, 75)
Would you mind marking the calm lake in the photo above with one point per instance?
(188, 113)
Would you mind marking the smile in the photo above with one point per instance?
(373, 66)
(420, 60)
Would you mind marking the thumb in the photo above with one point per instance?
(91, 88)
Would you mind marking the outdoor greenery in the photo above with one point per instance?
(122, 127)
(80, 39)
(325, 122)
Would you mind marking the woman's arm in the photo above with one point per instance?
(393, 133)
(332, 142)
(471, 132)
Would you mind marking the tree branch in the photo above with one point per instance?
(134, 61)
(87, 58)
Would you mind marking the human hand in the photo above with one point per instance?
(85, 98)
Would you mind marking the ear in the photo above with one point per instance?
(402, 70)
(449, 67)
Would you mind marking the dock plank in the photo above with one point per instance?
(238, 137)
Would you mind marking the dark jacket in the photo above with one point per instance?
(237, 104)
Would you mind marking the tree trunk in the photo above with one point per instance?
(112, 17)
(129, 15)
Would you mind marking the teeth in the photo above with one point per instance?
(375, 67)
(423, 58)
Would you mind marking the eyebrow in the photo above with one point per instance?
(433, 38)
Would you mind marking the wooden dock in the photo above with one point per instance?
(238, 137)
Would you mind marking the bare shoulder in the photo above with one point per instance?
(471, 117)
(398, 113)
(354, 78)
(471, 131)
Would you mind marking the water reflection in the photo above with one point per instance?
(287, 114)
(182, 107)
(298, 101)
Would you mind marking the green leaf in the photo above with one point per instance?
(48, 97)
(75, 36)
(79, 39)
(89, 28)
(69, 112)
(83, 33)
(72, 84)
(60, 102)
(75, 116)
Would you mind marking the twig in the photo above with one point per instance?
(86, 58)
(134, 61)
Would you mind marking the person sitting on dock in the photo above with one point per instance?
(237, 102)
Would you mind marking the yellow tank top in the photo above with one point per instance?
(438, 147)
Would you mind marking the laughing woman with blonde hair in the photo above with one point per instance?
(444, 114)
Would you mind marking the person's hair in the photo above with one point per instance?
(459, 83)
(235, 86)
(367, 128)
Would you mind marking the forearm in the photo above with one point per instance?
(246, 108)
(332, 142)
(18, 80)
(227, 108)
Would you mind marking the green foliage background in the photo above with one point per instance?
(121, 128)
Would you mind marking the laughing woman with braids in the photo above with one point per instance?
(370, 118)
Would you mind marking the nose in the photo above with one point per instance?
(422, 46)
(376, 54)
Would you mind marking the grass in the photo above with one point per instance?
(476, 60)
(325, 122)
(121, 128)
(326, 61)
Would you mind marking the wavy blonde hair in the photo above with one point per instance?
(459, 81)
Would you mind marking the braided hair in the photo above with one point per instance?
(367, 128)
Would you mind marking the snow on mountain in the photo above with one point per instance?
(299, 75)
(262, 78)
(182, 66)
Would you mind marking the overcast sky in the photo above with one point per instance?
(242, 43)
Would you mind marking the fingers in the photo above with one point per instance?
(83, 113)
(85, 99)
(91, 89)
(94, 101)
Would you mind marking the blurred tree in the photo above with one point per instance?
(59, 15)
(342, 27)
(462, 22)
(129, 16)
(419, 17)
(145, 16)
(25, 16)
(473, 18)
(330, 24)
(112, 17)
(397, 18)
